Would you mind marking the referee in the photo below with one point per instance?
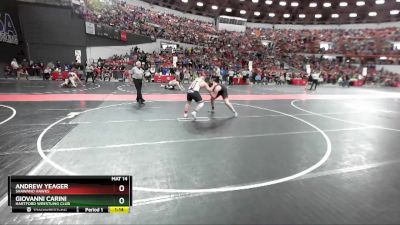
(137, 75)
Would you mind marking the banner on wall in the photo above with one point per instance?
(78, 56)
(90, 28)
(308, 69)
(364, 71)
(396, 46)
(8, 33)
(174, 61)
(123, 36)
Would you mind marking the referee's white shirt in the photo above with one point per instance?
(137, 73)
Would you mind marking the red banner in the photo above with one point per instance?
(123, 36)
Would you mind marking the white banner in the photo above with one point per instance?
(78, 56)
(76, 2)
(250, 66)
(308, 69)
(174, 60)
(90, 28)
(364, 71)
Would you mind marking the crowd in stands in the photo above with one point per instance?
(229, 53)
(350, 42)
(332, 71)
(233, 50)
(168, 26)
(148, 22)
(192, 63)
(271, 70)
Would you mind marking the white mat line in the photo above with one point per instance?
(341, 120)
(32, 172)
(172, 197)
(14, 112)
(167, 198)
(348, 169)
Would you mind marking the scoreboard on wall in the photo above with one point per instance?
(106, 31)
(70, 194)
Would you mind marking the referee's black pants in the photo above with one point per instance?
(89, 74)
(314, 83)
(138, 85)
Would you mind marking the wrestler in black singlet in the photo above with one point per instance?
(223, 92)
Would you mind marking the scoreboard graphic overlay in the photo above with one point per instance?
(70, 194)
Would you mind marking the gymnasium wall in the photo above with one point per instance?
(54, 33)
(51, 32)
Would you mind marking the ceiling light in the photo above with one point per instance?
(214, 7)
(294, 4)
(343, 4)
(184, 1)
(200, 4)
(327, 4)
(353, 15)
(302, 16)
(335, 15)
(380, 2)
(268, 2)
(282, 3)
(271, 14)
(313, 4)
(286, 15)
(254, 1)
(257, 13)
(228, 10)
(242, 12)
(318, 16)
(394, 12)
(372, 14)
(360, 3)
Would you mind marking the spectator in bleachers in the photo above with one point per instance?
(14, 67)
(46, 73)
(21, 72)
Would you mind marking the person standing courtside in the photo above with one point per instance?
(89, 73)
(14, 67)
(137, 75)
(315, 80)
